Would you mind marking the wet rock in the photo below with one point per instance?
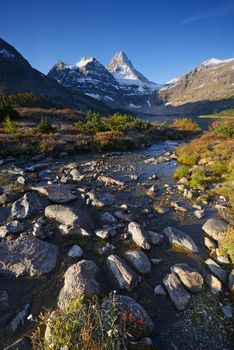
(140, 317)
(190, 278)
(27, 256)
(70, 231)
(213, 282)
(217, 270)
(215, 228)
(123, 216)
(126, 278)
(199, 213)
(139, 260)
(37, 167)
(67, 215)
(21, 344)
(179, 206)
(57, 193)
(107, 218)
(209, 243)
(106, 180)
(80, 279)
(75, 251)
(159, 209)
(155, 238)
(231, 281)
(227, 311)
(158, 290)
(12, 227)
(180, 239)
(20, 318)
(75, 174)
(21, 180)
(100, 199)
(138, 236)
(6, 198)
(179, 296)
(104, 234)
(26, 207)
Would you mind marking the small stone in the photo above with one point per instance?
(179, 296)
(199, 213)
(104, 234)
(209, 243)
(139, 260)
(213, 282)
(21, 180)
(138, 236)
(158, 290)
(75, 251)
(227, 311)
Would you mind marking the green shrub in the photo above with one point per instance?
(85, 325)
(225, 129)
(199, 178)
(7, 110)
(118, 122)
(226, 245)
(44, 126)
(9, 126)
(181, 171)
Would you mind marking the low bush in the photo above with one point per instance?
(199, 178)
(8, 110)
(181, 171)
(225, 129)
(185, 124)
(85, 325)
(10, 126)
(44, 126)
(226, 245)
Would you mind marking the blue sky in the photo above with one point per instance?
(163, 38)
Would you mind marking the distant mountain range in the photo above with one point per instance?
(89, 84)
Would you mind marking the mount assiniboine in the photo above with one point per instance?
(88, 84)
(208, 87)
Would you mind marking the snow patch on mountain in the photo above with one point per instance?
(6, 54)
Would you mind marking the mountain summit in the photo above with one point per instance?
(124, 72)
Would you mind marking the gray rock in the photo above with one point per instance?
(190, 278)
(215, 228)
(126, 278)
(158, 290)
(139, 260)
(27, 255)
(102, 233)
(80, 279)
(217, 270)
(179, 296)
(100, 199)
(209, 243)
(68, 216)
(213, 282)
(129, 305)
(123, 216)
(26, 207)
(108, 218)
(12, 227)
(138, 236)
(57, 193)
(70, 231)
(75, 251)
(227, 311)
(155, 238)
(20, 318)
(231, 281)
(180, 239)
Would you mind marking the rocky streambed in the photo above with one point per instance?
(102, 222)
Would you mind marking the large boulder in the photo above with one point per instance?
(80, 279)
(180, 239)
(215, 228)
(179, 296)
(27, 256)
(190, 278)
(139, 316)
(57, 193)
(26, 207)
(138, 236)
(126, 278)
(68, 216)
(100, 199)
(139, 260)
